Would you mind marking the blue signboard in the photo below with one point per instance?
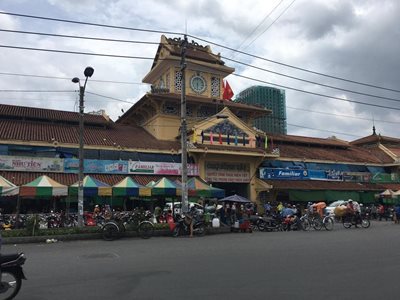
(71, 165)
(283, 174)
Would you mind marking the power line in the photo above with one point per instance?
(35, 91)
(246, 77)
(68, 78)
(316, 94)
(259, 24)
(312, 82)
(88, 23)
(339, 115)
(229, 59)
(79, 37)
(76, 52)
(270, 25)
(342, 133)
(108, 97)
(294, 67)
(204, 40)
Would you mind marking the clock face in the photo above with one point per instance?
(198, 84)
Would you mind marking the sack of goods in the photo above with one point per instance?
(340, 211)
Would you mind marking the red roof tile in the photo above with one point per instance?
(48, 115)
(123, 135)
(350, 155)
(374, 139)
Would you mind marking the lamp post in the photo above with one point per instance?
(88, 73)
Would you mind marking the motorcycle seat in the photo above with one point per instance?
(4, 258)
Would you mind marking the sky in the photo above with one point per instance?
(356, 40)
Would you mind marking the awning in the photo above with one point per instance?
(7, 188)
(129, 187)
(164, 187)
(91, 188)
(43, 186)
(199, 188)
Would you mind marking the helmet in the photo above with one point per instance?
(96, 205)
(351, 200)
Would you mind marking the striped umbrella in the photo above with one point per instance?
(43, 186)
(129, 187)
(7, 188)
(199, 188)
(91, 188)
(164, 187)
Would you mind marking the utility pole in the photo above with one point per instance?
(185, 205)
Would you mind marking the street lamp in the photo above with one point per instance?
(88, 73)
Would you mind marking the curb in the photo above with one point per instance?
(93, 236)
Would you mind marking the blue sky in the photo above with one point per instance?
(355, 39)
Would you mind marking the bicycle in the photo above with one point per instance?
(122, 222)
(317, 222)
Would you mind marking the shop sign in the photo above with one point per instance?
(227, 172)
(71, 165)
(31, 164)
(283, 174)
(161, 168)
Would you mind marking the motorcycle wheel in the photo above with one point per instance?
(110, 232)
(146, 230)
(200, 230)
(347, 223)
(328, 223)
(10, 285)
(261, 225)
(365, 223)
(176, 232)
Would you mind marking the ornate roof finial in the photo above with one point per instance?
(373, 130)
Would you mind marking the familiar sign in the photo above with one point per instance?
(160, 168)
(283, 174)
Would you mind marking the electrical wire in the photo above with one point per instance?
(108, 97)
(269, 25)
(342, 133)
(294, 67)
(313, 82)
(204, 40)
(88, 23)
(36, 91)
(79, 37)
(226, 58)
(259, 24)
(315, 94)
(69, 78)
(342, 116)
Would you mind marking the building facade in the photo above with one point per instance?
(271, 98)
(224, 148)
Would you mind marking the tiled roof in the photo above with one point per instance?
(229, 148)
(350, 155)
(324, 185)
(374, 138)
(123, 135)
(294, 139)
(20, 178)
(394, 150)
(48, 115)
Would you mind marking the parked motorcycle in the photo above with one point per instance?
(182, 228)
(273, 222)
(11, 275)
(257, 223)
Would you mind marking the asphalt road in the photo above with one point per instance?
(342, 264)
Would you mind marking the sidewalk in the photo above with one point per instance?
(92, 236)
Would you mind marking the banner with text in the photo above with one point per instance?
(161, 168)
(71, 165)
(31, 164)
(227, 172)
(283, 174)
